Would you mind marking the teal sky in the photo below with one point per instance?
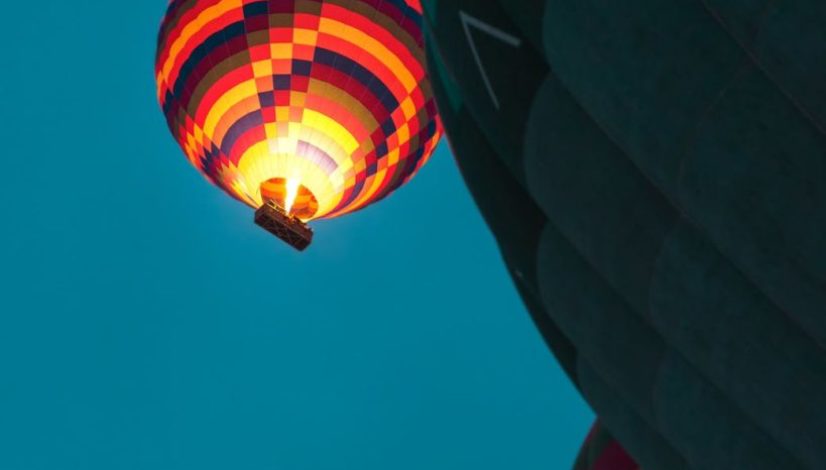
(147, 323)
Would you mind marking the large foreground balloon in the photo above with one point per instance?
(320, 105)
(655, 174)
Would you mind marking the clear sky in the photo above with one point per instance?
(147, 323)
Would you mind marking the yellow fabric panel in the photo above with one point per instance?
(241, 91)
(203, 19)
(372, 46)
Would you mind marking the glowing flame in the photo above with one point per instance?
(292, 191)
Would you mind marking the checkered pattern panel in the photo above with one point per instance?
(332, 93)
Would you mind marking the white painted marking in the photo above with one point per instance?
(467, 22)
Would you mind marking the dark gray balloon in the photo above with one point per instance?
(654, 173)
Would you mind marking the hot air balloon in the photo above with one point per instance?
(301, 109)
(655, 174)
(602, 452)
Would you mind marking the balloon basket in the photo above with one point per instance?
(291, 230)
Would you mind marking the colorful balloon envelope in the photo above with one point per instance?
(321, 106)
